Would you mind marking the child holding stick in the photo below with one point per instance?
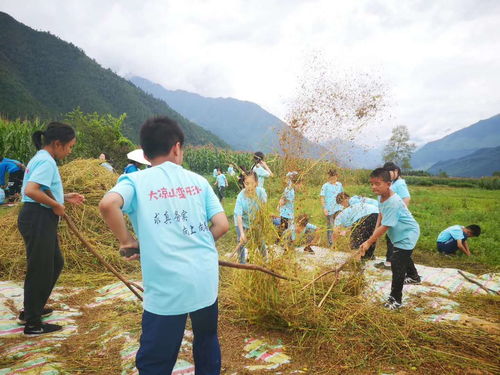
(328, 195)
(403, 231)
(43, 196)
(170, 209)
(248, 202)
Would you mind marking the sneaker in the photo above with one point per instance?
(411, 281)
(45, 312)
(308, 249)
(392, 304)
(383, 266)
(41, 329)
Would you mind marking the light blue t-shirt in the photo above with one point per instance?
(108, 166)
(262, 174)
(455, 231)
(43, 170)
(214, 173)
(287, 210)
(247, 207)
(353, 213)
(230, 171)
(359, 199)
(221, 180)
(404, 230)
(400, 188)
(2, 196)
(131, 168)
(330, 192)
(170, 208)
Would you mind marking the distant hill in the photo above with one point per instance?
(244, 125)
(482, 162)
(44, 76)
(482, 134)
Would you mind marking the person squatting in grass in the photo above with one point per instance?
(403, 231)
(455, 237)
(248, 202)
(43, 203)
(331, 208)
(221, 183)
(170, 209)
(286, 204)
(15, 170)
(261, 168)
(303, 232)
(359, 215)
(398, 185)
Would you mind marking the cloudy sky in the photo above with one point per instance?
(440, 60)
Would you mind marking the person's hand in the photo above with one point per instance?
(59, 209)
(133, 257)
(132, 242)
(325, 211)
(364, 247)
(74, 198)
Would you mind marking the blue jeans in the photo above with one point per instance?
(162, 337)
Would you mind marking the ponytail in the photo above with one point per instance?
(56, 131)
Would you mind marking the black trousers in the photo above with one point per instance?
(363, 229)
(402, 266)
(390, 249)
(38, 226)
(221, 192)
(17, 179)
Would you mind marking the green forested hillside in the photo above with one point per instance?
(44, 76)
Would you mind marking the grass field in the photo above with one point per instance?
(434, 207)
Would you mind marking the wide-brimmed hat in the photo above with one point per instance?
(138, 156)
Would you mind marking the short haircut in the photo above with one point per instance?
(332, 172)
(381, 173)
(158, 135)
(341, 197)
(303, 219)
(475, 229)
(390, 166)
(258, 156)
(250, 174)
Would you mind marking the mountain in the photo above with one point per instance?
(482, 134)
(482, 162)
(352, 155)
(244, 125)
(44, 76)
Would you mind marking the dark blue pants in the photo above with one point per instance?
(449, 247)
(162, 337)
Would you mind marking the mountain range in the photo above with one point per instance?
(482, 162)
(46, 77)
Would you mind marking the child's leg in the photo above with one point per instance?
(206, 349)
(38, 226)
(411, 271)
(448, 247)
(160, 341)
(58, 266)
(329, 232)
(399, 266)
(390, 249)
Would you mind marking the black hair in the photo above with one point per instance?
(136, 163)
(56, 131)
(475, 229)
(332, 172)
(158, 135)
(303, 219)
(341, 196)
(381, 173)
(219, 169)
(258, 156)
(390, 166)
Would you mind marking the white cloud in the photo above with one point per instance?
(439, 59)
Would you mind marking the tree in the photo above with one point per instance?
(399, 148)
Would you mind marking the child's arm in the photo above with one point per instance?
(325, 211)
(110, 207)
(219, 225)
(33, 191)
(379, 232)
(462, 245)
(264, 165)
(243, 237)
(406, 201)
(379, 221)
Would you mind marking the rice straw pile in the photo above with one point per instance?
(93, 181)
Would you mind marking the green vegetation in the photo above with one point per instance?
(42, 76)
(488, 183)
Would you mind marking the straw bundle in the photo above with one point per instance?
(90, 179)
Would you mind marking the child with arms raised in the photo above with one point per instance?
(170, 209)
(403, 231)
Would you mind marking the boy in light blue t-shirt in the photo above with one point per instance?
(331, 208)
(403, 231)
(286, 203)
(221, 183)
(261, 168)
(455, 237)
(171, 209)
